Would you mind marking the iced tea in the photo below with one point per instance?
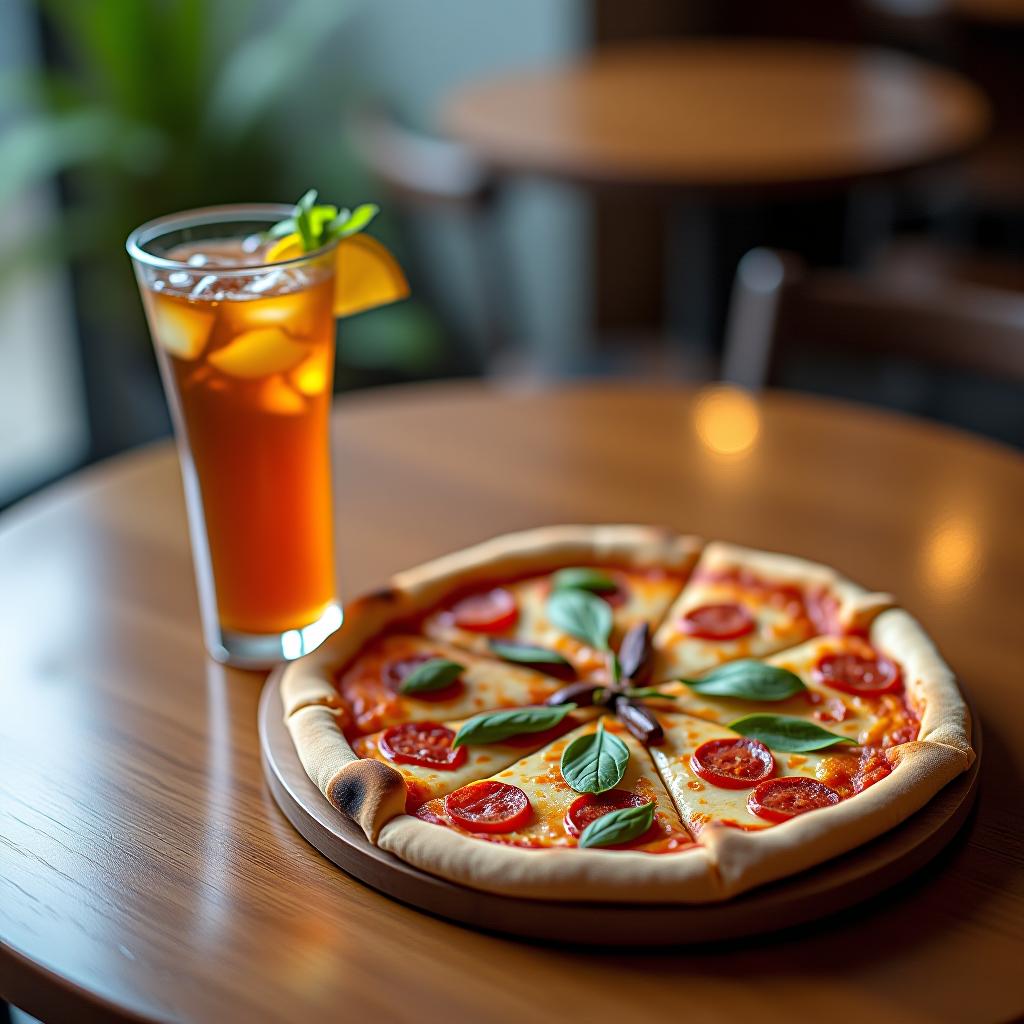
(247, 351)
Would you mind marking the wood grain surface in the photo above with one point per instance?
(720, 115)
(144, 866)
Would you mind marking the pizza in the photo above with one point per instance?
(624, 713)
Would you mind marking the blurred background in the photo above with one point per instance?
(539, 248)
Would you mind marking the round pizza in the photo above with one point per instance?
(622, 713)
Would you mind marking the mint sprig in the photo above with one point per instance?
(318, 225)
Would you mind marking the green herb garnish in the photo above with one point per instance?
(581, 578)
(748, 680)
(619, 826)
(495, 726)
(596, 762)
(783, 732)
(317, 225)
(580, 614)
(526, 654)
(435, 674)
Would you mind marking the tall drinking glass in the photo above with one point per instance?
(246, 353)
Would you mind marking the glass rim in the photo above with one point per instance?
(205, 215)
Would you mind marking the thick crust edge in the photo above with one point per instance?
(931, 683)
(561, 874)
(368, 791)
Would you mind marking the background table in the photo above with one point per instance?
(718, 116)
(144, 867)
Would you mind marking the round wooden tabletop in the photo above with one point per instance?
(145, 871)
(721, 115)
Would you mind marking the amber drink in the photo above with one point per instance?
(246, 351)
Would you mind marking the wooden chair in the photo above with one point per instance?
(777, 304)
(426, 174)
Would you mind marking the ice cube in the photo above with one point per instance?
(181, 329)
(259, 353)
(206, 282)
(312, 375)
(277, 397)
(197, 259)
(292, 311)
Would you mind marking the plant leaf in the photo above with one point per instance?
(495, 726)
(748, 679)
(784, 732)
(435, 674)
(619, 826)
(581, 615)
(581, 578)
(596, 762)
(526, 654)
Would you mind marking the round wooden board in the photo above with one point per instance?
(834, 886)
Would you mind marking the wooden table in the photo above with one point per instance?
(717, 116)
(145, 871)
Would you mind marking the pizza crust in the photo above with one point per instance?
(562, 874)
(930, 681)
(368, 791)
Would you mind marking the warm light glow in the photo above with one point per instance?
(951, 554)
(728, 420)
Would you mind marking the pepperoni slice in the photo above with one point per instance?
(853, 673)
(396, 672)
(781, 799)
(733, 763)
(591, 806)
(718, 622)
(428, 744)
(488, 807)
(491, 612)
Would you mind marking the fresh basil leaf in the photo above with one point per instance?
(749, 680)
(431, 675)
(580, 578)
(596, 762)
(495, 726)
(581, 615)
(783, 732)
(619, 826)
(526, 654)
(649, 691)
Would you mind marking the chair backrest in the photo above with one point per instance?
(777, 304)
(419, 169)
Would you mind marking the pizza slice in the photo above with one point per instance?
(510, 619)
(846, 684)
(432, 763)
(719, 776)
(405, 678)
(748, 604)
(548, 799)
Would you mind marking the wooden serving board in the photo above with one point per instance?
(832, 887)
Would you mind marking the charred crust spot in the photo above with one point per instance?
(385, 595)
(349, 793)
